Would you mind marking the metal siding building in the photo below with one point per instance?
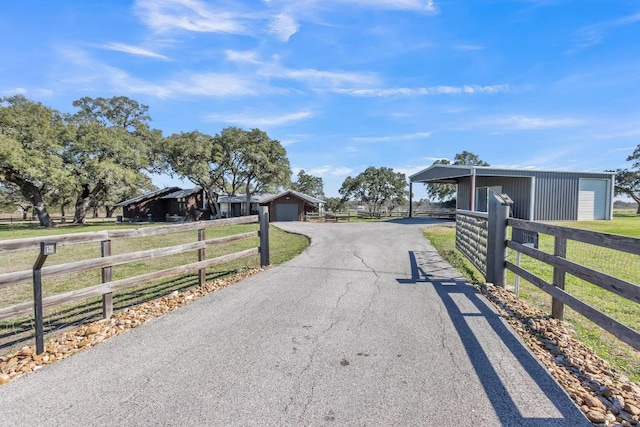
(537, 195)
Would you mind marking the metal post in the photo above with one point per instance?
(107, 299)
(202, 273)
(264, 235)
(411, 200)
(46, 249)
(559, 250)
(516, 287)
(497, 241)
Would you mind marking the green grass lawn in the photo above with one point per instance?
(283, 246)
(615, 263)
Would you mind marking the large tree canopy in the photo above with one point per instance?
(199, 158)
(32, 136)
(628, 180)
(233, 160)
(309, 184)
(375, 187)
(445, 192)
(265, 166)
(111, 147)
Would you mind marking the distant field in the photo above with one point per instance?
(617, 264)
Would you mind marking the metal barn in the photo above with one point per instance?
(537, 195)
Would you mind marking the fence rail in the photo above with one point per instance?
(476, 239)
(106, 261)
(562, 266)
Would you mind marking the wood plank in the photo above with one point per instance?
(607, 240)
(8, 279)
(623, 332)
(620, 287)
(179, 228)
(31, 243)
(109, 287)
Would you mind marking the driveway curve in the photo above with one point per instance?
(368, 326)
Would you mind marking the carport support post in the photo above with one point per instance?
(410, 199)
(263, 216)
(497, 242)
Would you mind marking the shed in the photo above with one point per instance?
(291, 206)
(538, 195)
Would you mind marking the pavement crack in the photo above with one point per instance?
(376, 283)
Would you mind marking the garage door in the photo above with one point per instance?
(286, 212)
(593, 203)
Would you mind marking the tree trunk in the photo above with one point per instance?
(33, 194)
(636, 198)
(110, 211)
(63, 218)
(83, 203)
(212, 201)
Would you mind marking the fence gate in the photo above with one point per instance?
(481, 238)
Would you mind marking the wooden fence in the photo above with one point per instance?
(488, 241)
(107, 260)
(562, 266)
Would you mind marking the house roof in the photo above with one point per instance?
(152, 195)
(441, 173)
(181, 193)
(302, 196)
(242, 198)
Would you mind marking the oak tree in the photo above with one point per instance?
(375, 187)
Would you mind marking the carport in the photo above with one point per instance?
(538, 195)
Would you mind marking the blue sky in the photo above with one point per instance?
(347, 84)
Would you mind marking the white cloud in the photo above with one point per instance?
(242, 56)
(415, 5)
(133, 50)
(326, 170)
(523, 122)
(319, 77)
(283, 26)
(392, 138)
(425, 91)
(594, 34)
(468, 47)
(260, 120)
(213, 84)
(190, 15)
(630, 133)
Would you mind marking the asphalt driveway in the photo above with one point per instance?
(367, 327)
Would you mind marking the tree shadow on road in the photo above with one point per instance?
(489, 343)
